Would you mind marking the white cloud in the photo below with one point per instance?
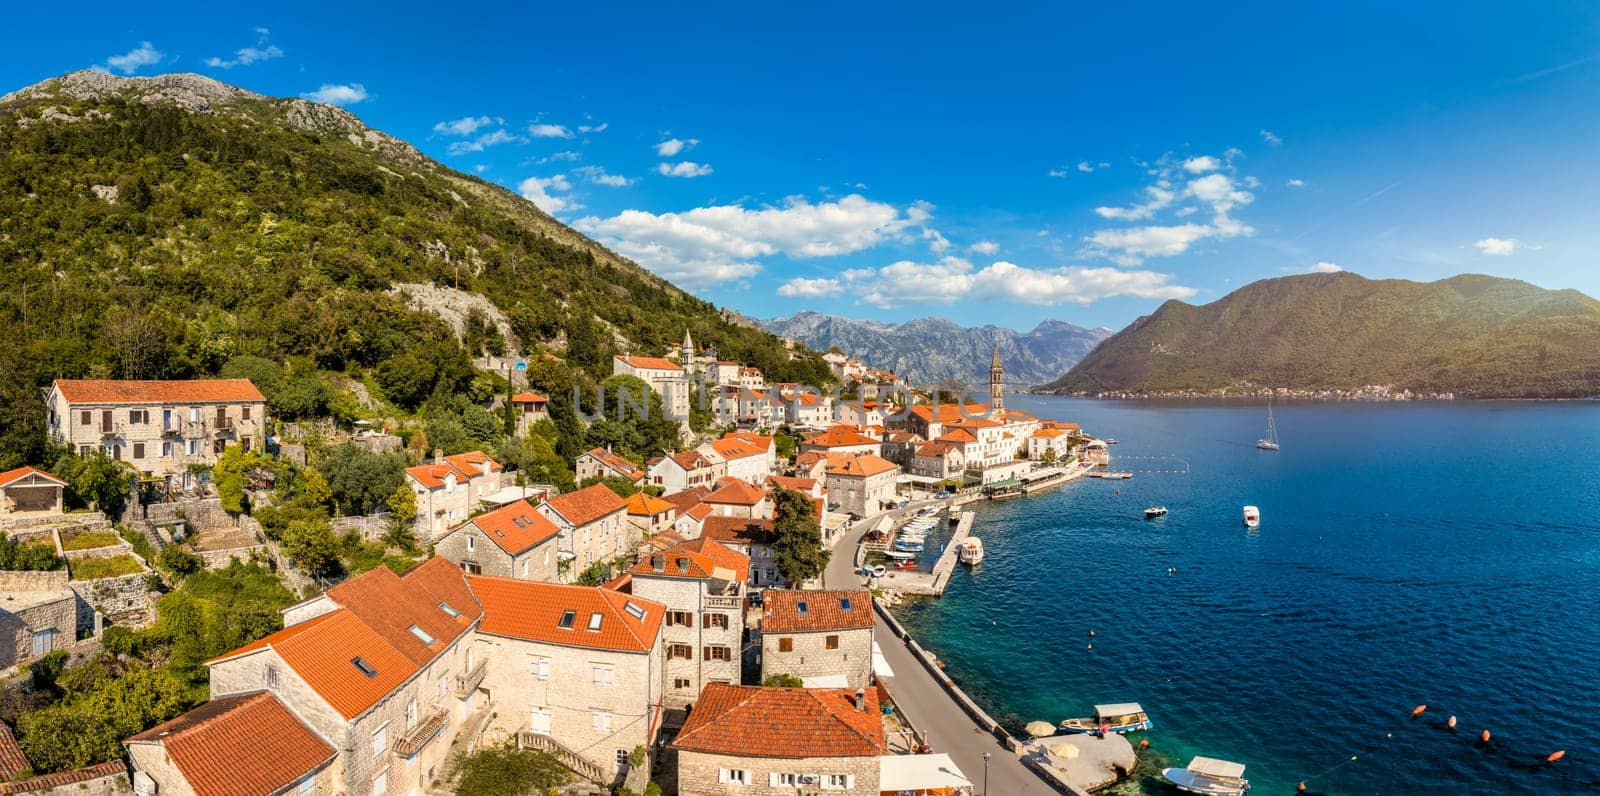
(598, 175)
(1201, 164)
(262, 51)
(685, 168)
(480, 168)
(466, 125)
(567, 156)
(1326, 267)
(1296, 182)
(1085, 166)
(144, 55)
(952, 279)
(1499, 247)
(482, 142)
(811, 288)
(1060, 173)
(338, 94)
(721, 243)
(1160, 196)
(1271, 138)
(593, 128)
(549, 131)
(672, 146)
(984, 247)
(538, 191)
(1132, 245)
(1217, 191)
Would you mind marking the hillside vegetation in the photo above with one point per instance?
(1478, 336)
(161, 227)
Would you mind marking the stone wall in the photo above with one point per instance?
(11, 580)
(810, 656)
(699, 774)
(97, 780)
(12, 525)
(30, 602)
(123, 600)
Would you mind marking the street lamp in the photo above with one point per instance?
(986, 773)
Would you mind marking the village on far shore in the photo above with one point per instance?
(675, 624)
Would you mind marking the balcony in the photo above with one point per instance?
(223, 424)
(728, 603)
(469, 682)
(425, 731)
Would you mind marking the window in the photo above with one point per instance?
(272, 677)
(166, 449)
(680, 652)
(138, 450)
(786, 644)
(524, 569)
(411, 713)
(424, 637)
(449, 610)
(778, 780)
(594, 621)
(380, 741)
(88, 418)
(715, 620)
(602, 721)
(244, 413)
(380, 783)
(472, 567)
(622, 758)
(602, 676)
(363, 667)
(472, 543)
(831, 642)
(680, 683)
(138, 416)
(567, 618)
(632, 608)
(734, 775)
(718, 654)
(680, 619)
(838, 781)
(541, 668)
(194, 447)
(844, 604)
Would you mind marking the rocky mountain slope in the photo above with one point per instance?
(1473, 335)
(930, 350)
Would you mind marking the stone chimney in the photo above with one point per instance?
(861, 699)
(438, 455)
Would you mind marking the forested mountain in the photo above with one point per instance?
(930, 350)
(1473, 335)
(161, 227)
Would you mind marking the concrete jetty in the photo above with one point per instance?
(931, 584)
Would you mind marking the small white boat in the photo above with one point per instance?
(1120, 718)
(1111, 442)
(1270, 441)
(1209, 776)
(899, 555)
(1155, 511)
(907, 546)
(879, 571)
(1252, 517)
(970, 551)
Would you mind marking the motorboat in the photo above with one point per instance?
(1111, 442)
(879, 571)
(1252, 517)
(970, 551)
(1209, 776)
(905, 565)
(907, 546)
(1155, 511)
(1120, 718)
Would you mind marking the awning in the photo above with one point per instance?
(919, 772)
(825, 681)
(1002, 483)
(880, 664)
(1213, 767)
(1118, 709)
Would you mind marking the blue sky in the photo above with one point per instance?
(978, 161)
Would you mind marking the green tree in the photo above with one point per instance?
(178, 561)
(100, 481)
(797, 552)
(314, 489)
(783, 680)
(402, 505)
(594, 574)
(228, 476)
(311, 545)
(506, 770)
(29, 556)
(536, 461)
(359, 479)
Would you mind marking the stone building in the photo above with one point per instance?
(753, 538)
(38, 613)
(822, 637)
(676, 472)
(664, 376)
(831, 742)
(747, 456)
(577, 670)
(861, 483)
(159, 427)
(218, 749)
(594, 527)
(602, 463)
(941, 460)
(449, 489)
(529, 408)
(650, 515)
(28, 491)
(736, 498)
(513, 541)
(701, 583)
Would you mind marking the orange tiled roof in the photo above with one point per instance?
(738, 530)
(25, 471)
(735, 492)
(471, 462)
(797, 484)
(791, 723)
(691, 460)
(676, 562)
(244, 745)
(688, 498)
(936, 449)
(806, 611)
(698, 511)
(649, 363)
(948, 412)
(839, 437)
(462, 465)
(114, 391)
(1049, 432)
(12, 760)
(515, 527)
(323, 652)
(587, 505)
(529, 398)
(958, 435)
(533, 611)
(806, 460)
(722, 555)
(858, 464)
(646, 505)
(620, 464)
(739, 446)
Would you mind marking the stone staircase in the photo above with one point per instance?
(567, 757)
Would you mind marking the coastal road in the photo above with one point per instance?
(924, 702)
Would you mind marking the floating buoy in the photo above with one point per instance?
(1451, 722)
(1301, 788)
(1556, 755)
(1091, 646)
(1483, 737)
(1420, 709)
(1145, 744)
(1091, 634)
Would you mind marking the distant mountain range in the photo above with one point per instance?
(931, 350)
(1477, 336)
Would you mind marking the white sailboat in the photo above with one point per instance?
(1270, 442)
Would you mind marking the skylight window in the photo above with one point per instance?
(594, 621)
(449, 610)
(567, 618)
(801, 607)
(844, 603)
(363, 667)
(633, 610)
(422, 635)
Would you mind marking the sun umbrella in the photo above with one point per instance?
(1040, 729)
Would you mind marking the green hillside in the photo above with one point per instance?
(159, 227)
(1474, 335)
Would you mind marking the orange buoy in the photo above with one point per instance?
(1145, 744)
(1556, 755)
(1301, 788)
(1420, 709)
(1451, 722)
(1483, 737)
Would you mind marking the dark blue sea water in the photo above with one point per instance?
(1441, 553)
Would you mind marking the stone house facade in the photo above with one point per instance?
(449, 489)
(28, 491)
(513, 541)
(593, 524)
(214, 750)
(861, 484)
(820, 636)
(601, 463)
(701, 583)
(38, 613)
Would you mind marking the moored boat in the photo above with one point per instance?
(1252, 517)
(907, 546)
(1155, 511)
(1119, 717)
(970, 551)
(1209, 776)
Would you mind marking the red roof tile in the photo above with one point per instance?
(113, 391)
(515, 527)
(644, 504)
(587, 505)
(240, 745)
(738, 530)
(533, 611)
(22, 472)
(738, 445)
(839, 437)
(649, 363)
(688, 498)
(791, 723)
(529, 398)
(805, 485)
(472, 463)
(858, 465)
(722, 555)
(806, 611)
(623, 466)
(432, 476)
(12, 760)
(733, 491)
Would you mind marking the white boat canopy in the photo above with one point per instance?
(1213, 767)
(1118, 709)
(919, 772)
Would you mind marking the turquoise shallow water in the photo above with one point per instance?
(1440, 553)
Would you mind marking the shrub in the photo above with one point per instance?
(104, 567)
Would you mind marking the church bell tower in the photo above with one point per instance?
(997, 387)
